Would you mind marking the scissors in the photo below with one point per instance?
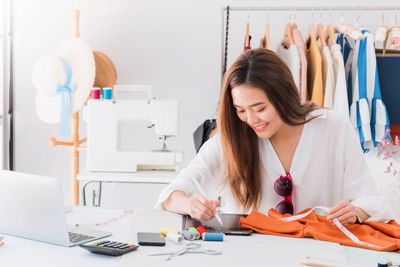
(188, 248)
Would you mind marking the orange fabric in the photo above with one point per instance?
(385, 235)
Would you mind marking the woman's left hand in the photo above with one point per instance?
(344, 211)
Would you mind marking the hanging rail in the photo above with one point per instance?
(316, 8)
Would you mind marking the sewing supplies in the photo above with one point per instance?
(207, 236)
(165, 231)
(95, 93)
(187, 249)
(383, 263)
(190, 235)
(201, 230)
(387, 263)
(202, 192)
(194, 231)
(175, 238)
(107, 93)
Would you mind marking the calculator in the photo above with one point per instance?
(110, 248)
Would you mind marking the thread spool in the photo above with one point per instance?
(213, 236)
(383, 263)
(189, 235)
(175, 238)
(107, 93)
(194, 231)
(165, 231)
(95, 93)
(201, 230)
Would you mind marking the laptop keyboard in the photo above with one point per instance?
(75, 238)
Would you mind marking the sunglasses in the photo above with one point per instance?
(284, 187)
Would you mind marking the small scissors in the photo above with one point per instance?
(188, 248)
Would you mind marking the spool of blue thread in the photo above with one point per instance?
(107, 93)
(213, 236)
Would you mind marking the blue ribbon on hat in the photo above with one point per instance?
(65, 91)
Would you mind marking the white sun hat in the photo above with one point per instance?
(63, 81)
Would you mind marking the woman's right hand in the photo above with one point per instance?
(201, 208)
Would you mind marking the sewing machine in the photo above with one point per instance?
(107, 151)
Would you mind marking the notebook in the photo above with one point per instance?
(32, 207)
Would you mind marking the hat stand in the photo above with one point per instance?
(75, 134)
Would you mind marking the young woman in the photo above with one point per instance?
(273, 152)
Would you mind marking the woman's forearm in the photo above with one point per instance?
(177, 202)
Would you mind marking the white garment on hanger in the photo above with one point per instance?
(292, 59)
(340, 100)
(328, 77)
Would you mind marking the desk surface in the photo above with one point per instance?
(161, 177)
(258, 250)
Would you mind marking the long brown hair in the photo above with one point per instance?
(262, 69)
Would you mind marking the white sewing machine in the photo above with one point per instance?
(106, 121)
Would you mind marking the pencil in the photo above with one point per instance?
(202, 192)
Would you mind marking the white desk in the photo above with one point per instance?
(148, 184)
(255, 250)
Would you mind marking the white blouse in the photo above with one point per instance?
(327, 167)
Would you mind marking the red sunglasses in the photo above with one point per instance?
(284, 187)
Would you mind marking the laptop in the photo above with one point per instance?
(32, 207)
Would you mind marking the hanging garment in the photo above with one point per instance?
(203, 133)
(290, 55)
(301, 47)
(379, 116)
(314, 72)
(327, 77)
(340, 101)
(388, 69)
(382, 236)
(367, 111)
(346, 44)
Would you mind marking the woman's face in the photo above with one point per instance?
(254, 108)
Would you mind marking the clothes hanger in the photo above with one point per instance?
(355, 30)
(331, 31)
(321, 35)
(288, 37)
(381, 30)
(247, 36)
(320, 31)
(331, 34)
(265, 41)
(294, 24)
(313, 28)
(266, 36)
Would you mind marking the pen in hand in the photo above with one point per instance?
(202, 192)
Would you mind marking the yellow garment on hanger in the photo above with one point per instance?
(314, 72)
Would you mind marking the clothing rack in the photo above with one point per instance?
(226, 12)
(321, 8)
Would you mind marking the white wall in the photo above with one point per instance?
(173, 45)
